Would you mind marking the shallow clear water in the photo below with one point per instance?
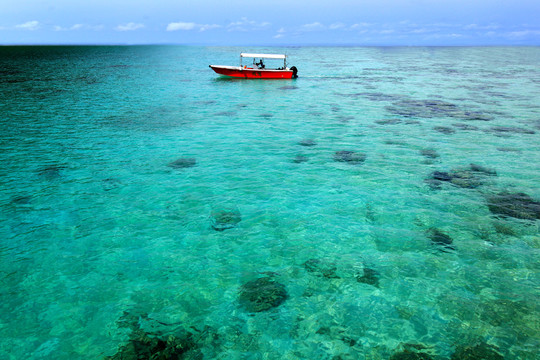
(101, 238)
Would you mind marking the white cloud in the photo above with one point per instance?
(278, 36)
(29, 25)
(208, 27)
(281, 30)
(186, 26)
(481, 27)
(74, 27)
(244, 24)
(359, 25)
(420, 31)
(129, 27)
(523, 33)
(175, 26)
(336, 26)
(313, 26)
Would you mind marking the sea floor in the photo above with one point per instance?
(384, 205)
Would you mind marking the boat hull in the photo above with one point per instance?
(250, 73)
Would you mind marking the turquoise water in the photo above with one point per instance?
(389, 250)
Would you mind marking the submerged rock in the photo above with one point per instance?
(183, 163)
(226, 113)
(262, 294)
(444, 129)
(411, 351)
(508, 149)
(475, 116)
(144, 346)
(350, 157)
(435, 108)
(410, 355)
(499, 312)
(482, 169)
(388, 122)
(370, 277)
(516, 205)
(21, 200)
(511, 129)
(51, 172)
(307, 142)
(429, 153)
(480, 351)
(225, 219)
(437, 237)
(465, 179)
(462, 126)
(425, 108)
(441, 176)
(110, 184)
(300, 159)
(288, 87)
(470, 178)
(321, 268)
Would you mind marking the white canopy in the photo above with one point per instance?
(265, 56)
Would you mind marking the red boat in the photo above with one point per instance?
(258, 70)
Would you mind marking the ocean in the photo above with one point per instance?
(383, 205)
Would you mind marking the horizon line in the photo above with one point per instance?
(269, 45)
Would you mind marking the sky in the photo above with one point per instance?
(271, 22)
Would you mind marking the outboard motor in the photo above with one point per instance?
(294, 72)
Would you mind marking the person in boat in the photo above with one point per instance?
(260, 64)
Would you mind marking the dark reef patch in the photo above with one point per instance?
(439, 238)
(182, 163)
(516, 205)
(110, 184)
(434, 109)
(172, 341)
(372, 96)
(482, 170)
(508, 149)
(307, 142)
(409, 351)
(262, 294)
(429, 153)
(466, 127)
(288, 87)
(145, 346)
(350, 157)
(475, 116)
(369, 276)
(444, 130)
(388, 121)
(298, 159)
(408, 355)
(225, 219)
(424, 108)
(479, 351)
(21, 200)
(321, 268)
(510, 129)
(226, 113)
(51, 172)
(470, 178)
